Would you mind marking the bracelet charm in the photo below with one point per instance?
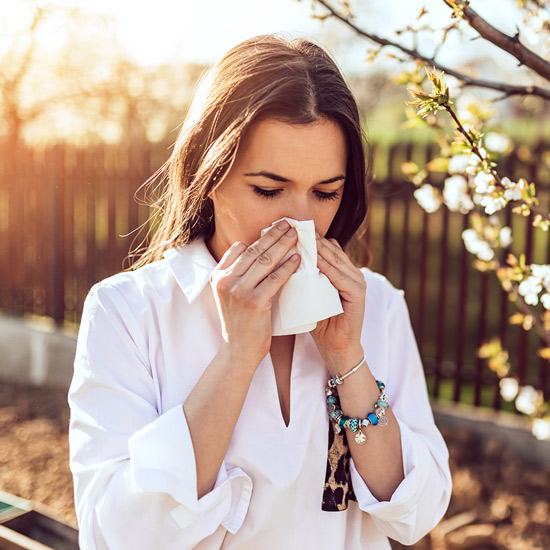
(356, 425)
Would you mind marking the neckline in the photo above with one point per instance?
(275, 393)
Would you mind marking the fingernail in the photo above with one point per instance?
(319, 257)
(291, 232)
(317, 236)
(282, 225)
(294, 257)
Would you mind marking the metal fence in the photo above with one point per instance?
(63, 212)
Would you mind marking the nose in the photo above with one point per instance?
(300, 209)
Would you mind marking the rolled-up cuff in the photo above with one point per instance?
(405, 498)
(162, 460)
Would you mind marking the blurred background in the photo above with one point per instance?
(92, 95)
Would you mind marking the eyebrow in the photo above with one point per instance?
(276, 177)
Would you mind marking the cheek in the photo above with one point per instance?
(252, 223)
(325, 216)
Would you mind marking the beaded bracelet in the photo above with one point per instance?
(341, 421)
(338, 379)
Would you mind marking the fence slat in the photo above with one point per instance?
(441, 305)
(57, 235)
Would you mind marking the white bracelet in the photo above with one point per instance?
(338, 380)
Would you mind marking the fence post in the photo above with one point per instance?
(57, 225)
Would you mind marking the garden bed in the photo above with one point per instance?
(499, 502)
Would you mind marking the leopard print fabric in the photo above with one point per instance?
(338, 490)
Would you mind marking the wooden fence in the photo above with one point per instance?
(64, 213)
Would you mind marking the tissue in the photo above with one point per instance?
(308, 296)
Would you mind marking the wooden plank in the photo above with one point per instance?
(57, 232)
(12, 540)
(441, 303)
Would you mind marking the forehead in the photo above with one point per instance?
(317, 149)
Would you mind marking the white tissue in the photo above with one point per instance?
(308, 296)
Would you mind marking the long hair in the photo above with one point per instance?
(266, 77)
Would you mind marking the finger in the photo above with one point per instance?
(231, 254)
(348, 287)
(276, 279)
(270, 259)
(332, 253)
(256, 249)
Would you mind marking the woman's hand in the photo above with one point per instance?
(244, 283)
(339, 338)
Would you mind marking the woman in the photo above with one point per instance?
(191, 425)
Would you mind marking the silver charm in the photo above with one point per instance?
(382, 421)
(360, 437)
(337, 428)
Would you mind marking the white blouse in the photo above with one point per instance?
(145, 339)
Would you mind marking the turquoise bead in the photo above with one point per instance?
(372, 418)
(382, 404)
(331, 400)
(354, 424)
(343, 421)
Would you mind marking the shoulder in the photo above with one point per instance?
(135, 289)
(380, 291)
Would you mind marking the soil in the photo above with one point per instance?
(498, 502)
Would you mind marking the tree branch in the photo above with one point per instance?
(510, 44)
(507, 89)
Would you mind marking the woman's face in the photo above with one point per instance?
(281, 170)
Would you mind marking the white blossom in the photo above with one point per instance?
(484, 182)
(428, 198)
(509, 388)
(545, 301)
(542, 273)
(492, 204)
(455, 194)
(477, 198)
(529, 289)
(513, 191)
(458, 164)
(512, 195)
(541, 428)
(498, 143)
(473, 163)
(505, 237)
(526, 401)
(477, 246)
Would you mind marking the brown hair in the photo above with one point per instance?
(264, 77)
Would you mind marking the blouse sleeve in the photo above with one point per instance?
(422, 498)
(134, 469)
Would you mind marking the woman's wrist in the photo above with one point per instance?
(236, 360)
(342, 361)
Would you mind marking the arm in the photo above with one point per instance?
(145, 480)
(400, 474)
(134, 469)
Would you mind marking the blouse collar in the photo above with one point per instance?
(191, 266)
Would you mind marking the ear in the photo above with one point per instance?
(212, 193)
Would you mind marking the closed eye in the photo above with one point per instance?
(324, 196)
(272, 193)
(266, 193)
